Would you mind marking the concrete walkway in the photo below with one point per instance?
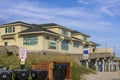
(104, 76)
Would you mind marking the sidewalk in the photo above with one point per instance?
(104, 76)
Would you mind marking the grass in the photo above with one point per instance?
(14, 62)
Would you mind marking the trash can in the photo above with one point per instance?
(39, 74)
(21, 74)
(59, 71)
(5, 75)
(4, 67)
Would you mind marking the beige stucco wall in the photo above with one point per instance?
(37, 47)
(18, 28)
(70, 50)
(99, 50)
(9, 41)
(80, 37)
(75, 50)
(45, 42)
(59, 31)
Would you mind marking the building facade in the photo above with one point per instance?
(45, 37)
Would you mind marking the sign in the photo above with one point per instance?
(22, 55)
(85, 54)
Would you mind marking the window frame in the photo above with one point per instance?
(65, 45)
(64, 32)
(30, 40)
(52, 45)
(9, 29)
(76, 44)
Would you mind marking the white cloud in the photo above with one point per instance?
(76, 17)
(83, 2)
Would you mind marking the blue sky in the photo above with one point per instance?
(98, 18)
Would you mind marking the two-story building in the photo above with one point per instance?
(45, 38)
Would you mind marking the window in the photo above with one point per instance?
(85, 46)
(51, 45)
(65, 32)
(84, 38)
(47, 37)
(5, 44)
(55, 39)
(64, 45)
(76, 44)
(9, 29)
(30, 40)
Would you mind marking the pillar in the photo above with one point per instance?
(96, 64)
(87, 63)
(103, 65)
(112, 66)
(109, 65)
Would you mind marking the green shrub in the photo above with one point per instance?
(14, 63)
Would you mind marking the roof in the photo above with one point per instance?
(36, 29)
(95, 43)
(17, 23)
(76, 32)
(41, 27)
(51, 25)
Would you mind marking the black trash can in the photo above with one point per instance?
(59, 71)
(21, 74)
(5, 75)
(39, 74)
(4, 67)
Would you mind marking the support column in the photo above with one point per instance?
(87, 63)
(96, 64)
(112, 66)
(103, 65)
(109, 65)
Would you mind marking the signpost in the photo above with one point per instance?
(85, 54)
(23, 56)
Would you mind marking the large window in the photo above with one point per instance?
(51, 45)
(85, 38)
(76, 44)
(64, 32)
(64, 45)
(9, 29)
(30, 40)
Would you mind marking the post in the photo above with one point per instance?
(103, 65)
(96, 64)
(87, 63)
(57, 45)
(109, 62)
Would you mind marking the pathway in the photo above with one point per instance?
(104, 76)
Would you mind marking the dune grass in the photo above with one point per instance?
(14, 62)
